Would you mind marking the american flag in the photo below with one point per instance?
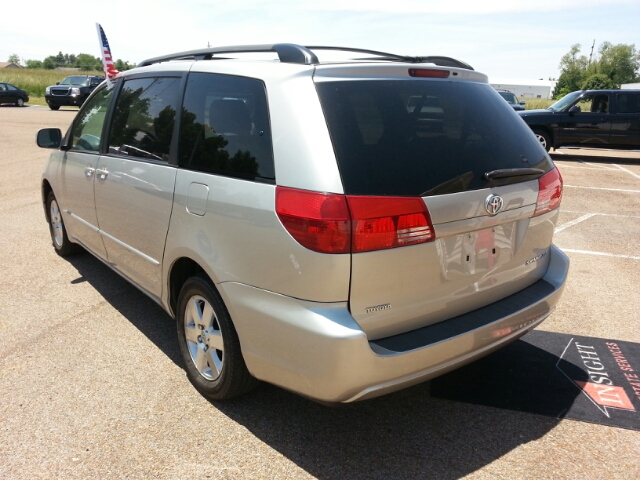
(107, 61)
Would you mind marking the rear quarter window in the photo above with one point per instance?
(416, 137)
(225, 127)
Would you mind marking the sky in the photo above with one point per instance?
(505, 39)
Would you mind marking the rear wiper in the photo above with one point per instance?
(512, 172)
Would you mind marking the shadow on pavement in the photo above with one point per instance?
(407, 434)
(146, 315)
(604, 156)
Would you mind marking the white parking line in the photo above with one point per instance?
(574, 222)
(600, 167)
(603, 214)
(602, 254)
(626, 170)
(601, 188)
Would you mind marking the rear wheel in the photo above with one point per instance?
(54, 107)
(63, 246)
(543, 138)
(209, 343)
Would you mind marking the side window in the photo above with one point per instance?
(628, 103)
(11, 87)
(594, 103)
(87, 129)
(225, 127)
(144, 117)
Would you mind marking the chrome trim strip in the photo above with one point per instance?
(130, 248)
(84, 222)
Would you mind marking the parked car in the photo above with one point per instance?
(512, 100)
(72, 91)
(339, 230)
(12, 94)
(589, 118)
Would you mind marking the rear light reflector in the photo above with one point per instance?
(332, 223)
(549, 192)
(429, 73)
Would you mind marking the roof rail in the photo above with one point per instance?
(392, 57)
(292, 53)
(287, 53)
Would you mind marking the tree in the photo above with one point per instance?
(34, 64)
(14, 59)
(573, 67)
(49, 63)
(598, 81)
(616, 64)
(122, 66)
(619, 62)
(87, 62)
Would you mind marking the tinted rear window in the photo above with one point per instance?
(415, 137)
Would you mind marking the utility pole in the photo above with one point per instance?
(590, 56)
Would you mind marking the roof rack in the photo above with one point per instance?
(287, 53)
(392, 57)
(292, 53)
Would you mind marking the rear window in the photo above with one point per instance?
(416, 137)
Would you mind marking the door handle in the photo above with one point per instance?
(88, 171)
(102, 173)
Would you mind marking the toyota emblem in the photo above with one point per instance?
(493, 204)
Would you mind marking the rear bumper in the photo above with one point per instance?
(319, 351)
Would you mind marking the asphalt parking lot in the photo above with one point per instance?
(91, 384)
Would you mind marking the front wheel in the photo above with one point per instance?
(543, 138)
(63, 246)
(54, 107)
(208, 342)
(19, 102)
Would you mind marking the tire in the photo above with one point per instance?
(61, 243)
(54, 107)
(19, 102)
(209, 344)
(544, 138)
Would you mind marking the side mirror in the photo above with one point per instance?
(49, 138)
(57, 83)
(522, 102)
(575, 109)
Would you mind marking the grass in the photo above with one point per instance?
(536, 103)
(33, 80)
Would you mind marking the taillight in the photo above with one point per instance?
(318, 221)
(549, 192)
(332, 223)
(388, 222)
(428, 73)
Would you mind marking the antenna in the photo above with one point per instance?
(590, 56)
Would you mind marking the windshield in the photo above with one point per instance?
(564, 101)
(421, 138)
(75, 80)
(509, 97)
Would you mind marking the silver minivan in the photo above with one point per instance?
(339, 228)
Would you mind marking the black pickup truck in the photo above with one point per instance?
(73, 90)
(589, 118)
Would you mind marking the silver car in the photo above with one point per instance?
(341, 229)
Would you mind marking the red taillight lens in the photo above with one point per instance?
(388, 222)
(332, 223)
(549, 192)
(318, 221)
(429, 73)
